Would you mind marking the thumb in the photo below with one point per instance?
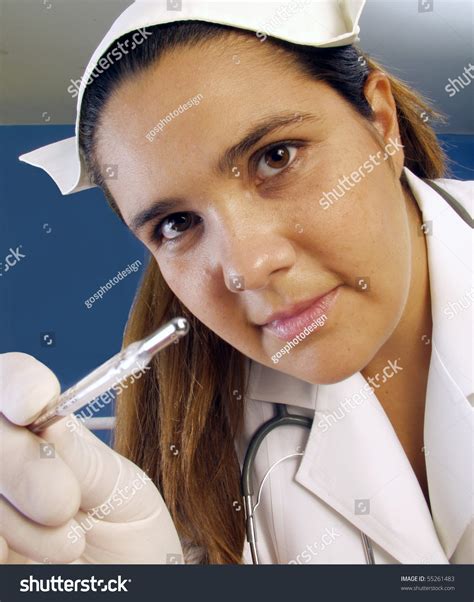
(27, 387)
(133, 521)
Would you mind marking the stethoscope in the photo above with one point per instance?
(281, 418)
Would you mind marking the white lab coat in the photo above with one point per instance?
(307, 514)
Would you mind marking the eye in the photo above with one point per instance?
(173, 226)
(275, 159)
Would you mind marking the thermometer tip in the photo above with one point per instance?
(182, 325)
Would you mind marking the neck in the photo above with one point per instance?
(403, 395)
(410, 340)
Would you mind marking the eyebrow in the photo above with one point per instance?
(226, 161)
(258, 131)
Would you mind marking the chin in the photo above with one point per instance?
(320, 371)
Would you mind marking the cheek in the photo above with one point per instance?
(363, 239)
(204, 296)
(354, 228)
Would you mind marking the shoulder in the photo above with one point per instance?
(461, 190)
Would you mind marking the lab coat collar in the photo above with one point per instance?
(448, 415)
(341, 464)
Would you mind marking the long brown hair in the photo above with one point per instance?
(180, 419)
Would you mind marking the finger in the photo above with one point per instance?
(34, 478)
(40, 543)
(105, 478)
(15, 558)
(26, 387)
(154, 540)
(98, 469)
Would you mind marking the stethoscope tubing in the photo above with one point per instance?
(281, 418)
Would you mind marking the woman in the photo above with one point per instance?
(287, 219)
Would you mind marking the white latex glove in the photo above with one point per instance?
(45, 500)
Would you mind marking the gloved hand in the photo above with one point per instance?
(66, 496)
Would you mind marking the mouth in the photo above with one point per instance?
(288, 323)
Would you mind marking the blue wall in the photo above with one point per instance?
(72, 246)
(460, 149)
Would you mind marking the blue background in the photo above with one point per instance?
(86, 246)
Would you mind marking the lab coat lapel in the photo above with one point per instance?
(449, 451)
(449, 426)
(355, 463)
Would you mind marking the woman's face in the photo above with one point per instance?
(268, 193)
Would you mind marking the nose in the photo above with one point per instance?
(250, 244)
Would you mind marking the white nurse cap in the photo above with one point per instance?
(322, 23)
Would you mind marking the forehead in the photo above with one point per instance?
(237, 81)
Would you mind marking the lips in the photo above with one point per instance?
(291, 322)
